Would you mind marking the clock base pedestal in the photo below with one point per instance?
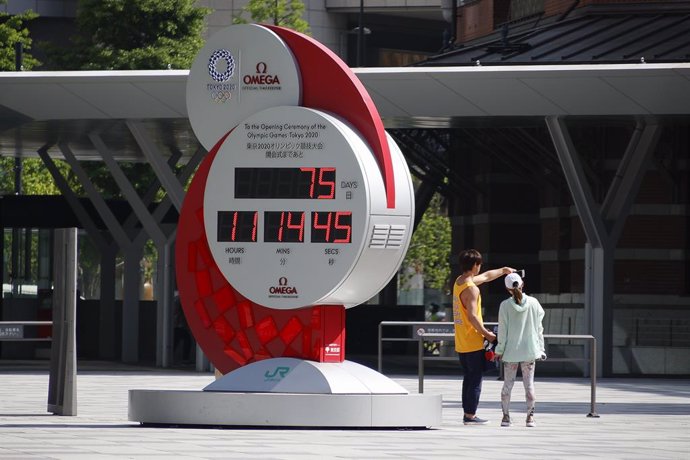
(292, 393)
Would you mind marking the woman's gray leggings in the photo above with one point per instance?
(509, 373)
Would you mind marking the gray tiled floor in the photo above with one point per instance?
(639, 419)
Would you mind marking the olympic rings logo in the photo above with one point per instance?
(221, 96)
(216, 56)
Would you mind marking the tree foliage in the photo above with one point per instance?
(285, 13)
(35, 178)
(111, 34)
(430, 247)
(133, 34)
(13, 30)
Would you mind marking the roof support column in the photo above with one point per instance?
(132, 254)
(130, 298)
(170, 183)
(131, 288)
(165, 313)
(132, 282)
(152, 228)
(153, 224)
(623, 190)
(165, 266)
(598, 249)
(99, 203)
(127, 189)
(71, 198)
(603, 225)
(108, 252)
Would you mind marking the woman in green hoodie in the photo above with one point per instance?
(520, 342)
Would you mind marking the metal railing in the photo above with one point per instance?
(443, 331)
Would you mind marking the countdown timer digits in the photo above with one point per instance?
(304, 183)
(285, 226)
(293, 197)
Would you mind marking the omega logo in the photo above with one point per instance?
(261, 77)
(282, 287)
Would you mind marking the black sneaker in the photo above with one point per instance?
(506, 420)
(474, 421)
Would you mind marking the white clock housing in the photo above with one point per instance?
(295, 211)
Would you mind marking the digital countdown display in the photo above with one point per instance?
(293, 197)
(284, 226)
(303, 183)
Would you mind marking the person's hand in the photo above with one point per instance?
(491, 337)
(508, 270)
(497, 357)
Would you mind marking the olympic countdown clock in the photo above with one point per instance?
(295, 211)
(302, 208)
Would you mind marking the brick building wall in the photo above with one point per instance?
(651, 271)
(475, 20)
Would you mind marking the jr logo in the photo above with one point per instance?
(278, 373)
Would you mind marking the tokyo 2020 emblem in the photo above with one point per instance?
(216, 57)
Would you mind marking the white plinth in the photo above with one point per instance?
(291, 392)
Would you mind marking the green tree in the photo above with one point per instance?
(285, 13)
(133, 34)
(13, 30)
(130, 35)
(35, 178)
(430, 247)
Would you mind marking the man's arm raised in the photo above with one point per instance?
(491, 275)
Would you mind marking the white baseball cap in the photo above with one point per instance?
(512, 279)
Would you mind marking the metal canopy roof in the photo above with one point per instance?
(39, 108)
(596, 34)
(44, 108)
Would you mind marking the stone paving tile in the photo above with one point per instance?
(640, 418)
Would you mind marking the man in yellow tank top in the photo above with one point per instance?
(469, 328)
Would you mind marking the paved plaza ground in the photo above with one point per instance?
(639, 419)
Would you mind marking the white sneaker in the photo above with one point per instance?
(506, 420)
(530, 421)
